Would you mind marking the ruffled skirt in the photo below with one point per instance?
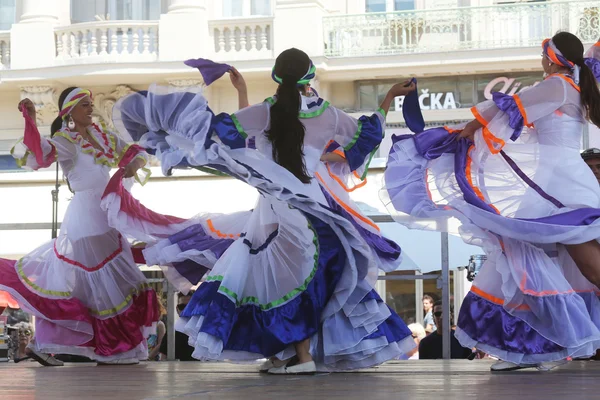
(529, 303)
(88, 295)
(302, 264)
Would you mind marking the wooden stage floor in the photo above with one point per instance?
(413, 380)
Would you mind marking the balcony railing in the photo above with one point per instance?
(242, 38)
(5, 50)
(102, 41)
(467, 28)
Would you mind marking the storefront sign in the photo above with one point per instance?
(504, 85)
(430, 99)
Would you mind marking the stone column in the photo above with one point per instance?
(35, 11)
(32, 38)
(184, 31)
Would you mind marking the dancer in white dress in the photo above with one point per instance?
(514, 179)
(87, 293)
(295, 276)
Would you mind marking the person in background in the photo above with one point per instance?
(592, 159)
(418, 333)
(24, 335)
(430, 347)
(428, 321)
(183, 351)
(155, 339)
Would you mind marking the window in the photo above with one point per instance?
(239, 8)
(261, 7)
(403, 5)
(7, 14)
(87, 10)
(233, 8)
(375, 5)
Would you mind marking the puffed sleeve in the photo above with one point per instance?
(234, 129)
(504, 117)
(359, 138)
(35, 152)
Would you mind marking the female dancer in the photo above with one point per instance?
(533, 205)
(297, 277)
(88, 295)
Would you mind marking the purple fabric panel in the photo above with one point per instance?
(385, 248)
(370, 137)
(332, 146)
(594, 65)
(490, 324)
(434, 142)
(191, 271)
(399, 138)
(411, 111)
(195, 238)
(531, 183)
(460, 171)
(508, 105)
(578, 217)
(210, 70)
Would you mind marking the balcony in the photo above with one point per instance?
(242, 38)
(468, 28)
(106, 41)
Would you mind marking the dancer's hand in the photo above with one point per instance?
(403, 88)
(469, 130)
(29, 106)
(132, 168)
(237, 80)
(332, 157)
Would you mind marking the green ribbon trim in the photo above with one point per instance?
(314, 114)
(134, 292)
(286, 297)
(382, 111)
(36, 287)
(304, 115)
(238, 126)
(211, 171)
(356, 136)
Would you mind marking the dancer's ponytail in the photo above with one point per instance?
(590, 94)
(571, 47)
(286, 132)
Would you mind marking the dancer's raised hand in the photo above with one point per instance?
(29, 106)
(403, 88)
(237, 80)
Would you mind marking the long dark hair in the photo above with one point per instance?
(57, 123)
(286, 132)
(572, 48)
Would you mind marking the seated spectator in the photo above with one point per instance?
(592, 159)
(24, 333)
(183, 351)
(430, 347)
(418, 333)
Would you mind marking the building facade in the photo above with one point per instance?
(460, 50)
